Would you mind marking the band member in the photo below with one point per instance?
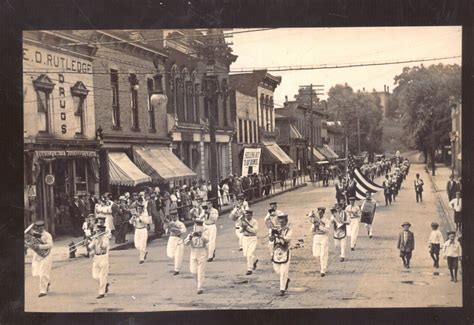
(387, 191)
(452, 252)
(353, 212)
(340, 222)
(99, 248)
(175, 248)
(456, 205)
(238, 212)
(88, 228)
(249, 228)
(198, 259)
(140, 220)
(271, 222)
(350, 187)
(340, 191)
(210, 216)
(434, 243)
(196, 211)
(406, 244)
(419, 188)
(41, 245)
(320, 230)
(281, 252)
(368, 208)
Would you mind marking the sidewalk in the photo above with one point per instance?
(60, 251)
(439, 182)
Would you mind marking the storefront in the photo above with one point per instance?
(275, 160)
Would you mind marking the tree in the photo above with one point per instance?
(348, 107)
(422, 97)
(304, 97)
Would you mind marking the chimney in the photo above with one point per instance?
(286, 98)
(384, 88)
(388, 90)
(363, 89)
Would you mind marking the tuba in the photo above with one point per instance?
(32, 242)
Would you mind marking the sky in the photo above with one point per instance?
(331, 46)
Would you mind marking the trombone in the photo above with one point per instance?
(83, 242)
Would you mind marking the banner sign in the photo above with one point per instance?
(251, 161)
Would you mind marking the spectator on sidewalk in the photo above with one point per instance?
(452, 252)
(456, 205)
(419, 188)
(451, 188)
(117, 220)
(406, 244)
(434, 243)
(77, 217)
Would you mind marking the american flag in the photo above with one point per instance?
(363, 185)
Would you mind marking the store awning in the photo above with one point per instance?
(273, 154)
(123, 172)
(65, 153)
(328, 152)
(294, 133)
(161, 164)
(319, 156)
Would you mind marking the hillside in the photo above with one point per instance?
(391, 140)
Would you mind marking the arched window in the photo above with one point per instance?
(192, 98)
(179, 96)
(79, 93)
(172, 85)
(43, 87)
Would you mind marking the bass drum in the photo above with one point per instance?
(281, 254)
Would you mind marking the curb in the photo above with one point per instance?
(446, 215)
(188, 223)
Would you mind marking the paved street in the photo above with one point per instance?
(372, 276)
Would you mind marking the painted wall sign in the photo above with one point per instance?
(251, 161)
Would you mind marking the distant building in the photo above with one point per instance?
(384, 97)
(336, 138)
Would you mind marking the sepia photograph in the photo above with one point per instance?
(242, 168)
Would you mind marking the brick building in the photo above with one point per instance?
(254, 114)
(59, 126)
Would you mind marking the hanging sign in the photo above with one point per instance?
(49, 179)
(251, 161)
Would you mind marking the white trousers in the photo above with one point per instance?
(100, 271)
(341, 242)
(240, 236)
(41, 267)
(354, 231)
(249, 244)
(140, 238)
(212, 233)
(369, 229)
(197, 264)
(175, 249)
(283, 270)
(321, 250)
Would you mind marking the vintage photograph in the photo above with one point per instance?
(261, 168)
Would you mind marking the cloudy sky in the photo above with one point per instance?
(333, 46)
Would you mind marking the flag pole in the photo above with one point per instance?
(347, 152)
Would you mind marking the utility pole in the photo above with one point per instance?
(358, 134)
(320, 88)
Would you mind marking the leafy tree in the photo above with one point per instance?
(348, 107)
(422, 96)
(304, 97)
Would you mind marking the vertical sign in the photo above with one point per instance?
(251, 161)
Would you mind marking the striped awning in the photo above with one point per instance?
(327, 152)
(161, 164)
(294, 133)
(319, 156)
(123, 172)
(273, 154)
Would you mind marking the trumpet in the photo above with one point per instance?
(83, 242)
(315, 219)
(194, 234)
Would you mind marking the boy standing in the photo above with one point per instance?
(452, 252)
(406, 244)
(434, 243)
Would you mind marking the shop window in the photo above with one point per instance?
(246, 135)
(241, 131)
(79, 93)
(81, 176)
(134, 100)
(191, 110)
(115, 98)
(43, 87)
(262, 109)
(250, 131)
(255, 133)
(151, 109)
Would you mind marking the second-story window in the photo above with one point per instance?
(43, 87)
(197, 100)
(262, 110)
(267, 117)
(255, 133)
(191, 109)
(250, 131)
(79, 93)
(114, 84)
(151, 109)
(246, 131)
(134, 100)
(241, 131)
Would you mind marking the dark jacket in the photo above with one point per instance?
(452, 187)
(116, 215)
(409, 245)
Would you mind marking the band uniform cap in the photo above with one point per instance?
(174, 211)
(321, 209)
(204, 207)
(283, 216)
(333, 209)
(273, 203)
(406, 224)
(39, 223)
(127, 194)
(199, 199)
(249, 212)
(352, 198)
(240, 196)
(434, 224)
(451, 233)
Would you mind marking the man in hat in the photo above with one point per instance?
(99, 248)
(406, 244)
(117, 220)
(281, 252)
(340, 222)
(41, 265)
(175, 247)
(368, 207)
(210, 216)
(140, 220)
(419, 188)
(77, 217)
(249, 228)
(452, 252)
(198, 240)
(456, 205)
(434, 243)
(271, 222)
(387, 190)
(354, 213)
(451, 188)
(320, 230)
(238, 212)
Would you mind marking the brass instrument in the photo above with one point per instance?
(172, 229)
(193, 234)
(32, 242)
(337, 219)
(239, 212)
(85, 241)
